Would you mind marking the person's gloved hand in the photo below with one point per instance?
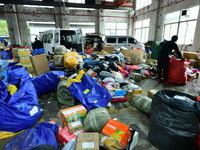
(183, 59)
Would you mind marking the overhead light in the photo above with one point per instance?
(32, 22)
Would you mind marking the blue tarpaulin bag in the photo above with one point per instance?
(6, 54)
(19, 111)
(47, 82)
(42, 133)
(18, 72)
(89, 92)
(38, 51)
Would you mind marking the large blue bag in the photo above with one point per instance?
(38, 51)
(42, 133)
(19, 111)
(17, 72)
(89, 92)
(47, 82)
(6, 54)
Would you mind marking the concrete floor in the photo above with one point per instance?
(123, 111)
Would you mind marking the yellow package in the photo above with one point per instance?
(12, 89)
(109, 143)
(71, 60)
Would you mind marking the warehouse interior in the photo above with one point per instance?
(149, 21)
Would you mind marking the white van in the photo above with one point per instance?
(70, 38)
(123, 41)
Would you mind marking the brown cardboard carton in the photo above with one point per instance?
(87, 141)
(75, 126)
(40, 64)
(137, 56)
(58, 60)
(190, 55)
(2, 45)
(108, 49)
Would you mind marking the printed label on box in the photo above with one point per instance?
(88, 145)
(74, 124)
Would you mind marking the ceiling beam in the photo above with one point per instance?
(58, 4)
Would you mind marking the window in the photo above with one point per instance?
(132, 40)
(56, 38)
(142, 3)
(111, 40)
(181, 23)
(122, 40)
(115, 28)
(49, 37)
(142, 30)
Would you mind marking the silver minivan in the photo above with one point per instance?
(70, 38)
(123, 41)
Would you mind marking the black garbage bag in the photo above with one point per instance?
(113, 65)
(174, 120)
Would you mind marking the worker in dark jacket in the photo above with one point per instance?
(37, 44)
(163, 58)
(100, 44)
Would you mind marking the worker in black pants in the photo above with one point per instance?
(163, 58)
(100, 44)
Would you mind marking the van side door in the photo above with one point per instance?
(48, 42)
(132, 42)
(80, 45)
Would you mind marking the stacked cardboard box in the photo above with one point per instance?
(22, 55)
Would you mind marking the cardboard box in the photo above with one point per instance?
(40, 64)
(190, 55)
(138, 91)
(75, 126)
(148, 55)
(64, 136)
(194, 62)
(73, 114)
(118, 131)
(87, 141)
(91, 73)
(152, 92)
(2, 45)
(58, 60)
(151, 62)
(108, 49)
(136, 55)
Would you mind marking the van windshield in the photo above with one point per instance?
(68, 36)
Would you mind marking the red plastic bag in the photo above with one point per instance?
(177, 71)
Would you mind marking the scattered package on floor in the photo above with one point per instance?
(88, 91)
(47, 82)
(73, 114)
(58, 60)
(143, 103)
(117, 131)
(109, 142)
(173, 116)
(87, 141)
(64, 136)
(40, 64)
(96, 119)
(42, 133)
(63, 95)
(27, 116)
(75, 126)
(152, 92)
